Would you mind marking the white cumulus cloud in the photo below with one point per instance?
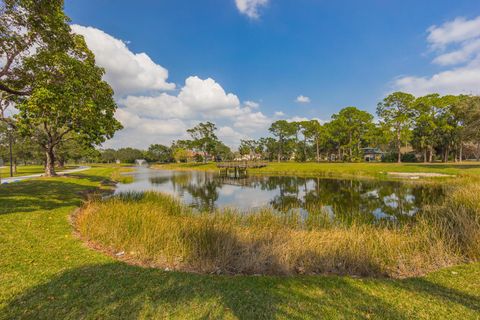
(251, 104)
(151, 113)
(455, 31)
(456, 45)
(250, 8)
(206, 95)
(302, 99)
(127, 72)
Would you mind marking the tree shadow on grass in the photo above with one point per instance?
(422, 285)
(89, 177)
(32, 195)
(117, 290)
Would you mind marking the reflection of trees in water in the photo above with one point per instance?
(201, 186)
(348, 200)
(159, 180)
(204, 191)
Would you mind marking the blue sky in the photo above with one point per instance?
(269, 52)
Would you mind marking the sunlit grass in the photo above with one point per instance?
(46, 272)
(378, 170)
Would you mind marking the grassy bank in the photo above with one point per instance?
(378, 170)
(47, 273)
(156, 229)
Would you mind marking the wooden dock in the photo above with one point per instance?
(239, 169)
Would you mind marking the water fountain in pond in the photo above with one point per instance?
(141, 163)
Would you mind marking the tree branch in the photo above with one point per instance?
(7, 89)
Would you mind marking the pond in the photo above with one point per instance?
(371, 200)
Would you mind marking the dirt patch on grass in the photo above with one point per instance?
(417, 175)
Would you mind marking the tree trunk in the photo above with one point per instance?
(61, 163)
(280, 143)
(478, 152)
(399, 146)
(399, 149)
(304, 149)
(430, 154)
(318, 152)
(50, 163)
(425, 155)
(460, 158)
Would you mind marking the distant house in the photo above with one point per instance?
(248, 157)
(372, 154)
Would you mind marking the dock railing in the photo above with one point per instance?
(241, 164)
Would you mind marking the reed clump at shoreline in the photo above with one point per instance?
(157, 230)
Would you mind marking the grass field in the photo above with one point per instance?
(26, 170)
(378, 170)
(46, 273)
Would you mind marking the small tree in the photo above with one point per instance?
(108, 155)
(180, 154)
(159, 153)
(314, 131)
(283, 130)
(353, 125)
(469, 107)
(203, 138)
(397, 114)
(427, 109)
(222, 152)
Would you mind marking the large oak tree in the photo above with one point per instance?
(68, 100)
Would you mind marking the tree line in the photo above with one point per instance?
(427, 129)
(202, 146)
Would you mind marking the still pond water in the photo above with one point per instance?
(373, 200)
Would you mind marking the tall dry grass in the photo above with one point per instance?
(157, 230)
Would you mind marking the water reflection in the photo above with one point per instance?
(346, 199)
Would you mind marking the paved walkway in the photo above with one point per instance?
(38, 175)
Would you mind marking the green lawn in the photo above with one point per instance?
(47, 273)
(345, 169)
(26, 170)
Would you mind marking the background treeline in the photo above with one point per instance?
(203, 146)
(427, 128)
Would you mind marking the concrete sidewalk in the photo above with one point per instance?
(39, 175)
